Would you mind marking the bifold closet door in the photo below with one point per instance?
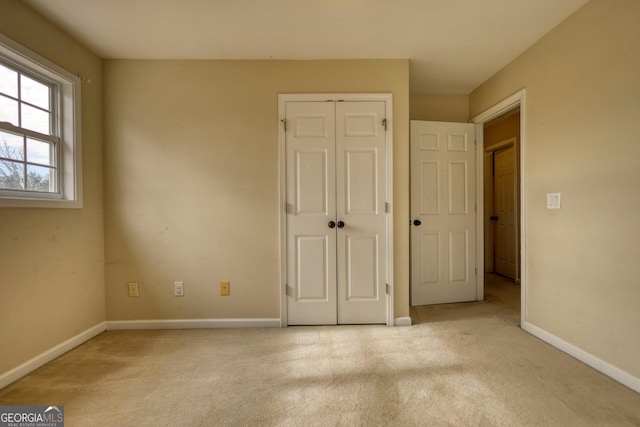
(311, 207)
(360, 204)
(336, 224)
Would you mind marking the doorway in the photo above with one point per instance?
(510, 109)
(501, 179)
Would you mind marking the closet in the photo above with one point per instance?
(336, 212)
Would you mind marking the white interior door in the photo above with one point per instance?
(336, 225)
(505, 202)
(443, 209)
(311, 205)
(361, 181)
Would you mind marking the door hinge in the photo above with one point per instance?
(284, 122)
(288, 291)
(387, 207)
(387, 289)
(384, 123)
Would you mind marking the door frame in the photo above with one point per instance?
(513, 101)
(387, 98)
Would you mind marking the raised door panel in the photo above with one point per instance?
(458, 188)
(311, 182)
(430, 257)
(459, 256)
(361, 186)
(312, 269)
(429, 187)
(362, 268)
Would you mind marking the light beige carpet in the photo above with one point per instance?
(461, 365)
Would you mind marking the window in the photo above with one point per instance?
(40, 154)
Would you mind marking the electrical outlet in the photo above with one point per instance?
(133, 289)
(178, 289)
(553, 200)
(225, 288)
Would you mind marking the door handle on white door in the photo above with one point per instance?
(417, 222)
(340, 224)
(332, 224)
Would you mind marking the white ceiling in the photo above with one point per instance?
(453, 45)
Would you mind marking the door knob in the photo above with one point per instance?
(417, 222)
(340, 224)
(493, 218)
(332, 224)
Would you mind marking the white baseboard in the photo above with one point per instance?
(47, 356)
(606, 368)
(192, 324)
(402, 321)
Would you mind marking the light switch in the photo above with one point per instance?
(553, 200)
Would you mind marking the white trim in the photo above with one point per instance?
(402, 321)
(515, 100)
(47, 356)
(500, 108)
(388, 98)
(282, 190)
(116, 325)
(479, 214)
(282, 209)
(596, 363)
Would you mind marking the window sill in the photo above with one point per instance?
(40, 203)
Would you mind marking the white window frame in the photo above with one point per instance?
(69, 150)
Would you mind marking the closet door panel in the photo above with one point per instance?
(360, 205)
(311, 243)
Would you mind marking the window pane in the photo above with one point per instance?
(40, 152)
(11, 146)
(8, 110)
(39, 178)
(11, 175)
(34, 92)
(36, 120)
(8, 81)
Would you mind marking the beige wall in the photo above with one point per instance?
(191, 180)
(52, 260)
(439, 107)
(582, 107)
(502, 130)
